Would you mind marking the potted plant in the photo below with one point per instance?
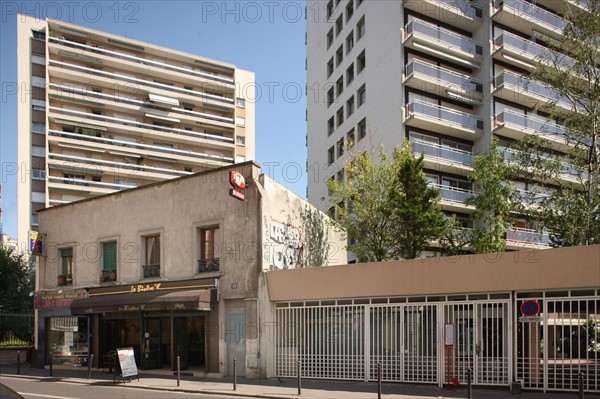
(61, 279)
(68, 278)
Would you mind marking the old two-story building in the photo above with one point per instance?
(175, 269)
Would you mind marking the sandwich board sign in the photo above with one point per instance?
(127, 363)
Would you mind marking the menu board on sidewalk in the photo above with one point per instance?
(127, 362)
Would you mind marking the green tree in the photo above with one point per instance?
(571, 212)
(495, 200)
(455, 240)
(16, 282)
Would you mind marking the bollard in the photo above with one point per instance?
(51, 364)
(178, 370)
(18, 362)
(234, 374)
(379, 380)
(469, 378)
(90, 360)
(299, 375)
(581, 377)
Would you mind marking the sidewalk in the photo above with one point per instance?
(275, 388)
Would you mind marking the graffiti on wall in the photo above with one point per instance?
(285, 245)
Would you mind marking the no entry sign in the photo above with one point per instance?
(530, 308)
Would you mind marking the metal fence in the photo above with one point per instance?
(16, 330)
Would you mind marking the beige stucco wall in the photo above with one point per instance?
(562, 268)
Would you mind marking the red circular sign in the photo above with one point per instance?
(237, 180)
(530, 308)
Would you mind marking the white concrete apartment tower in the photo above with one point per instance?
(99, 113)
(445, 75)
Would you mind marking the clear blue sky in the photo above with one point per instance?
(266, 37)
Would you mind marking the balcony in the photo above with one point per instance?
(526, 238)
(453, 198)
(528, 18)
(517, 89)
(523, 53)
(459, 13)
(57, 183)
(443, 82)
(149, 271)
(442, 43)
(209, 265)
(443, 158)
(518, 126)
(444, 120)
(108, 276)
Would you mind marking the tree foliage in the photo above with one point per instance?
(16, 282)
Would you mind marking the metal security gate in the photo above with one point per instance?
(481, 342)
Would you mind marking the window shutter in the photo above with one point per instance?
(109, 256)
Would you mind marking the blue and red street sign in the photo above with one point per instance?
(530, 308)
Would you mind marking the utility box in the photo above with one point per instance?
(516, 388)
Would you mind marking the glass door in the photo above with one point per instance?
(151, 344)
(180, 342)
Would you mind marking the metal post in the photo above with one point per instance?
(51, 364)
(581, 378)
(234, 374)
(90, 360)
(299, 375)
(178, 370)
(469, 378)
(379, 380)
(18, 362)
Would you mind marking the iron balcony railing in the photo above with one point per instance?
(151, 270)
(209, 265)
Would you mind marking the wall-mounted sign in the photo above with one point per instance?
(50, 301)
(237, 194)
(237, 180)
(530, 308)
(449, 335)
(35, 242)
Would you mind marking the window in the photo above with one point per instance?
(240, 140)
(65, 274)
(38, 105)
(209, 250)
(362, 129)
(151, 266)
(329, 9)
(362, 95)
(361, 62)
(340, 176)
(38, 174)
(340, 116)
(349, 74)
(360, 28)
(240, 121)
(339, 86)
(349, 42)
(35, 221)
(340, 147)
(339, 55)
(329, 38)
(330, 96)
(350, 106)
(330, 67)
(330, 126)
(350, 140)
(71, 178)
(37, 127)
(109, 261)
(349, 10)
(339, 24)
(37, 196)
(38, 151)
(330, 156)
(37, 34)
(240, 102)
(38, 59)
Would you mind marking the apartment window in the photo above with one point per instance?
(37, 196)
(330, 156)
(38, 174)
(350, 106)
(330, 126)
(349, 74)
(109, 261)
(329, 38)
(240, 140)
(330, 96)
(339, 86)
(239, 121)
(330, 67)
(350, 139)
(38, 59)
(340, 116)
(240, 102)
(38, 151)
(38, 105)
(340, 147)
(349, 42)
(339, 55)
(35, 221)
(361, 62)
(38, 127)
(339, 24)
(362, 129)
(362, 95)
(151, 266)
(37, 34)
(329, 9)
(340, 176)
(209, 256)
(71, 178)
(349, 10)
(360, 28)
(65, 274)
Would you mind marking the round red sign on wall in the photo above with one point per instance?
(237, 180)
(530, 308)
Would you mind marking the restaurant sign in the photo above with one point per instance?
(55, 300)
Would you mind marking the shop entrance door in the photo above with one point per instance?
(180, 342)
(151, 358)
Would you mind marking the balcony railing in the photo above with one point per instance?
(567, 169)
(444, 114)
(453, 194)
(534, 50)
(534, 88)
(449, 38)
(464, 7)
(151, 270)
(529, 236)
(108, 275)
(209, 265)
(139, 60)
(451, 78)
(541, 127)
(91, 183)
(442, 152)
(539, 15)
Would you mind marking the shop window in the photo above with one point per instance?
(151, 266)
(109, 261)
(68, 339)
(209, 250)
(65, 274)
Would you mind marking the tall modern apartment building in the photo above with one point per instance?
(100, 113)
(446, 75)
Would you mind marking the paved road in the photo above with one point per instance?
(36, 389)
